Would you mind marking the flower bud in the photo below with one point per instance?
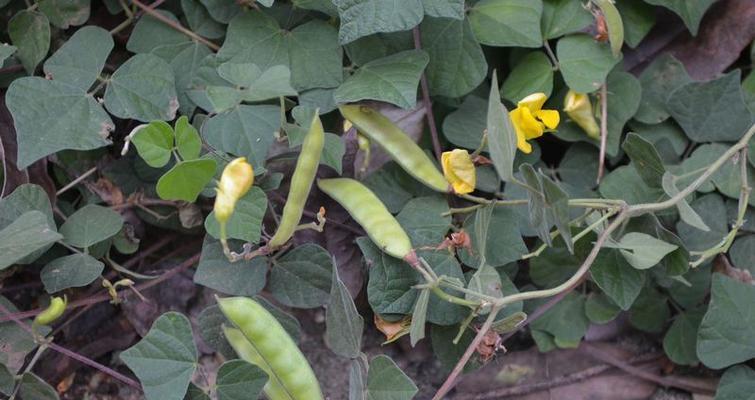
(578, 107)
(236, 180)
(459, 170)
(56, 308)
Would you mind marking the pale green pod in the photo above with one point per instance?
(260, 339)
(397, 144)
(301, 184)
(367, 209)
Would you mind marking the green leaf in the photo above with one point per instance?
(188, 142)
(246, 221)
(614, 25)
(7, 380)
(25, 198)
(501, 135)
(507, 22)
(724, 337)
(311, 50)
(238, 380)
(742, 252)
(661, 78)
(91, 224)
(27, 234)
(154, 143)
(419, 317)
(680, 341)
(194, 392)
(200, 21)
(186, 180)
(251, 84)
(600, 309)
(302, 277)
(501, 243)
(246, 131)
(165, 359)
(323, 6)
(29, 31)
(667, 137)
(711, 111)
(485, 281)
(464, 126)
(444, 8)
(691, 11)
(422, 220)
(642, 250)
(579, 166)
(448, 352)
(333, 151)
(566, 321)
(584, 63)
(379, 45)
(439, 311)
(616, 277)
(457, 64)
(389, 288)
(737, 383)
(241, 278)
(150, 33)
(625, 183)
(221, 10)
(386, 381)
(533, 74)
(712, 211)
(6, 51)
(142, 88)
(35, 388)
(81, 59)
(555, 265)
(392, 79)
(343, 324)
(650, 312)
(65, 13)
(50, 116)
(696, 288)
(645, 159)
(686, 212)
(357, 375)
(639, 18)
(365, 17)
(186, 61)
(548, 205)
(563, 16)
(76, 270)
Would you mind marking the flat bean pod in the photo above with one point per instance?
(260, 339)
(365, 207)
(301, 184)
(397, 144)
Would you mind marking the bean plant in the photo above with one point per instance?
(446, 174)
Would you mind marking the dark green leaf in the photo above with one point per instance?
(29, 32)
(737, 383)
(76, 270)
(645, 159)
(650, 312)
(142, 88)
(691, 11)
(563, 16)
(91, 224)
(680, 341)
(246, 221)
(664, 75)
(725, 337)
(444, 8)
(386, 381)
(81, 59)
(419, 316)
(501, 243)
(638, 18)
(389, 288)
(712, 110)
(584, 62)
(34, 388)
(566, 321)
(200, 21)
(501, 134)
(343, 324)
(422, 220)
(392, 79)
(165, 359)
(464, 127)
(37, 104)
(616, 277)
(241, 278)
(302, 277)
(507, 22)
(600, 309)
(457, 64)
(65, 13)
(365, 17)
(239, 380)
(533, 74)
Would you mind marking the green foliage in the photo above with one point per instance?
(185, 87)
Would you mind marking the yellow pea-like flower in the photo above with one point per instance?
(236, 180)
(459, 170)
(531, 121)
(579, 108)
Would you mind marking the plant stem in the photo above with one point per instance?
(603, 130)
(426, 98)
(76, 181)
(576, 237)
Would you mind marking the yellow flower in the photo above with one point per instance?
(579, 108)
(530, 120)
(237, 179)
(459, 170)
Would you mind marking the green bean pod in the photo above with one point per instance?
(56, 308)
(397, 144)
(301, 184)
(370, 213)
(260, 339)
